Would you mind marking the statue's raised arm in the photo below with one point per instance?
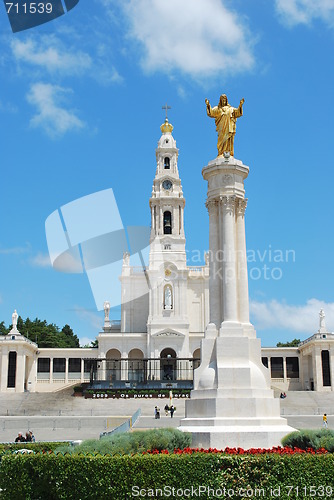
(225, 118)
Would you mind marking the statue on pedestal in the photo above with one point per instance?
(322, 320)
(106, 307)
(14, 320)
(225, 118)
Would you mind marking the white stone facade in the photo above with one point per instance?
(166, 309)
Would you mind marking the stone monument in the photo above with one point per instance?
(322, 324)
(232, 403)
(106, 307)
(14, 322)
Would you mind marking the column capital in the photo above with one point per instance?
(241, 206)
(211, 205)
(228, 203)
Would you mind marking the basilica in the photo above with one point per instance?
(164, 313)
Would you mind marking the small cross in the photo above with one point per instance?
(166, 107)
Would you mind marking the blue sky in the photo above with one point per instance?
(80, 110)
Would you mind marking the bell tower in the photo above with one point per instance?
(167, 269)
(167, 205)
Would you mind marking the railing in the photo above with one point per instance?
(137, 269)
(321, 336)
(125, 427)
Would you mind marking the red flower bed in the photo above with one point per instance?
(240, 451)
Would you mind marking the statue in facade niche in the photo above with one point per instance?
(168, 298)
(225, 118)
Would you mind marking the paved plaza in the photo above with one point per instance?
(60, 416)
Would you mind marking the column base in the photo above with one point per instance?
(246, 435)
(232, 403)
(236, 329)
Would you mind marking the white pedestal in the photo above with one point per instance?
(232, 403)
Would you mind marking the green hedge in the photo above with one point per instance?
(115, 478)
(304, 439)
(38, 447)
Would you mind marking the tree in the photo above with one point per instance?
(293, 343)
(44, 334)
(3, 329)
(70, 336)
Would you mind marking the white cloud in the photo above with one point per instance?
(63, 57)
(305, 11)
(85, 341)
(41, 260)
(7, 107)
(94, 319)
(282, 316)
(15, 250)
(52, 115)
(51, 54)
(200, 38)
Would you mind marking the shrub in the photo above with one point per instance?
(73, 477)
(37, 447)
(133, 442)
(320, 438)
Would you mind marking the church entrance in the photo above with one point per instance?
(137, 372)
(168, 365)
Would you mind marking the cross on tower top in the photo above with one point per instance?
(166, 108)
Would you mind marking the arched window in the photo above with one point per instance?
(168, 298)
(167, 222)
(167, 162)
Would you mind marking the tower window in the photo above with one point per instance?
(166, 162)
(167, 223)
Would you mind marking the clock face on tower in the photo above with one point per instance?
(167, 185)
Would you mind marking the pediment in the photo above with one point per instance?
(168, 332)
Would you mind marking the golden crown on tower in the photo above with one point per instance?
(166, 127)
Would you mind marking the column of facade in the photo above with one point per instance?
(242, 276)
(175, 220)
(182, 222)
(66, 370)
(284, 369)
(124, 366)
(152, 220)
(317, 369)
(51, 371)
(4, 368)
(331, 367)
(214, 279)
(161, 222)
(230, 310)
(82, 370)
(20, 370)
(269, 365)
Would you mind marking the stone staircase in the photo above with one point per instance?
(308, 403)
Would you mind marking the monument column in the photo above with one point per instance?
(229, 293)
(214, 263)
(242, 276)
(232, 403)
